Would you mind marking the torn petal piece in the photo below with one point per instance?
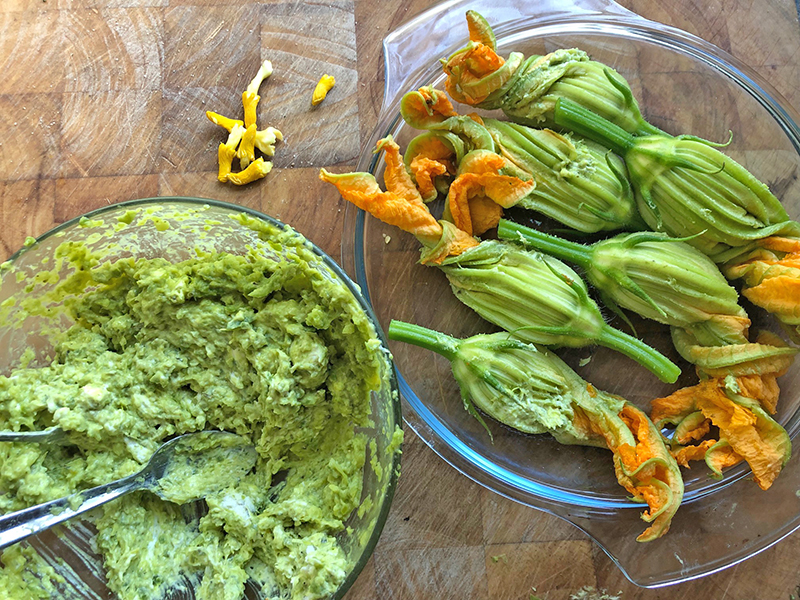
(255, 170)
(264, 71)
(223, 121)
(246, 152)
(324, 86)
(227, 152)
(265, 140)
(250, 104)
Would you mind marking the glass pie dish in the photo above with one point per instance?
(177, 229)
(683, 85)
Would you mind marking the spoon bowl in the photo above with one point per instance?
(186, 468)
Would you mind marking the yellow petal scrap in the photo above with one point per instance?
(244, 137)
(324, 86)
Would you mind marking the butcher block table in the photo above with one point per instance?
(103, 101)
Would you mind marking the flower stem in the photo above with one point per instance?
(569, 251)
(584, 122)
(648, 357)
(424, 338)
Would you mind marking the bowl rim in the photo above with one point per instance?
(392, 373)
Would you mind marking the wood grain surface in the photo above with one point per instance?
(103, 100)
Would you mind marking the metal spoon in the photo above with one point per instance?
(186, 468)
(51, 435)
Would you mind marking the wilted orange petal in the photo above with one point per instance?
(679, 404)
(362, 190)
(656, 484)
(395, 177)
(484, 213)
(721, 457)
(763, 388)
(424, 170)
(738, 426)
(778, 295)
(687, 453)
(781, 244)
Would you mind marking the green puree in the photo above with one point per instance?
(271, 350)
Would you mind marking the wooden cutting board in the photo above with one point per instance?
(102, 101)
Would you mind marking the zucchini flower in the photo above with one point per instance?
(739, 408)
(668, 281)
(578, 183)
(401, 205)
(479, 193)
(533, 391)
(771, 276)
(540, 300)
(527, 89)
(432, 158)
(685, 187)
(429, 108)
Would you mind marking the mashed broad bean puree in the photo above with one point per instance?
(268, 348)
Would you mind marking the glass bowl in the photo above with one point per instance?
(684, 85)
(176, 228)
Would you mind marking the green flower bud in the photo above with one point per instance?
(578, 182)
(532, 93)
(532, 390)
(653, 275)
(527, 89)
(541, 300)
(685, 187)
(668, 281)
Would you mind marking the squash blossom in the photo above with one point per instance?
(578, 182)
(668, 281)
(685, 187)
(540, 300)
(400, 205)
(533, 391)
(739, 408)
(771, 276)
(527, 89)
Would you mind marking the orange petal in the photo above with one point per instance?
(762, 443)
(686, 453)
(781, 244)
(473, 63)
(484, 214)
(778, 295)
(679, 404)
(426, 106)
(362, 190)
(453, 242)
(395, 177)
(653, 480)
(424, 170)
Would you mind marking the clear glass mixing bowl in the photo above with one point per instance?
(684, 85)
(174, 228)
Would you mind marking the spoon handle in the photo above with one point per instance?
(16, 526)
